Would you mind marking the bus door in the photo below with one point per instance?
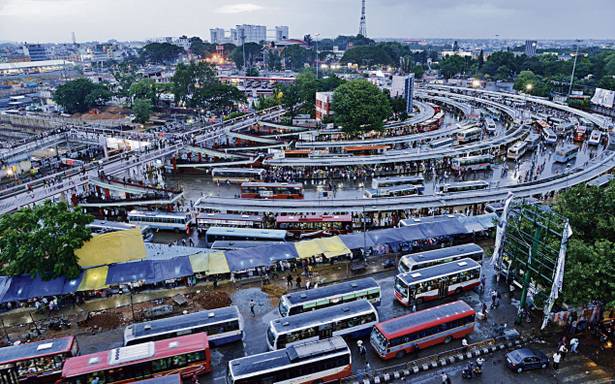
(325, 331)
(443, 288)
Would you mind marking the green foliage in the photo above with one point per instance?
(590, 264)
(360, 106)
(81, 95)
(290, 98)
(42, 241)
(200, 48)
(582, 104)
(253, 53)
(216, 97)
(297, 57)
(451, 66)
(367, 55)
(274, 61)
(252, 71)
(189, 77)
(529, 83)
(264, 102)
(144, 89)
(161, 53)
(124, 75)
(607, 82)
(233, 115)
(398, 104)
(142, 108)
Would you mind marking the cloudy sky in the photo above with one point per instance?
(54, 20)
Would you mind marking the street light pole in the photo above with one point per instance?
(317, 58)
(574, 67)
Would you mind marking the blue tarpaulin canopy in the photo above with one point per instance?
(411, 233)
(264, 256)
(171, 269)
(5, 282)
(42, 288)
(123, 273)
(357, 240)
(386, 236)
(25, 287)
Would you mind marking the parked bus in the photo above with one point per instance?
(594, 138)
(331, 224)
(397, 191)
(237, 175)
(517, 150)
(36, 362)
(223, 245)
(187, 355)
(564, 128)
(334, 294)
(106, 226)
(353, 319)
(419, 330)
(206, 220)
(442, 143)
(259, 190)
(320, 361)
(542, 125)
(386, 182)
(175, 221)
(366, 150)
(252, 234)
(437, 282)
(580, 133)
(532, 140)
(419, 260)
(490, 126)
(566, 153)
(472, 163)
(469, 135)
(549, 137)
(462, 186)
(222, 325)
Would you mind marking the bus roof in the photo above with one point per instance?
(230, 245)
(36, 349)
(601, 180)
(313, 218)
(417, 321)
(437, 270)
(466, 183)
(275, 234)
(332, 313)
(135, 212)
(284, 357)
(110, 225)
(171, 379)
(135, 354)
(229, 216)
(464, 249)
(331, 290)
(159, 326)
(400, 179)
(356, 148)
(271, 185)
(567, 148)
(485, 156)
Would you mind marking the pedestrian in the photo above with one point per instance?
(464, 344)
(563, 350)
(298, 281)
(413, 307)
(252, 305)
(556, 359)
(307, 285)
(494, 296)
(362, 349)
(574, 344)
(482, 283)
(484, 310)
(289, 280)
(445, 378)
(368, 368)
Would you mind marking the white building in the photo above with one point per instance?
(281, 33)
(217, 36)
(323, 104)
(248, 33)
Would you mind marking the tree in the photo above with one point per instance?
(590, 263)
(529, 83)
(451, 66)
(161, 53)
(200, 48)
(253, 52)
(367, 55)
(42, 241)
(81, 95)
(252, 71)
(144, 89)
(124, 76)
(607, 82)
(142, 108)
(359, 106)
(296, 57)
(217, 97)
(290, 98)
(189, 77)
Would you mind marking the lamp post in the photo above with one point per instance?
(317, 58)
(574, 67)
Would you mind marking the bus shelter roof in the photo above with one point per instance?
(327, 246)
(263, 256)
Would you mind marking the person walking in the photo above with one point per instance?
(289, 280)
(298, 281)
(445, 378)
(574, 344)
(556, 359)
(252, 305)
(362, 349)
(563, 350)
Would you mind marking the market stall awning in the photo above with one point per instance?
(5, 283)
(131, 272)
(264, 256)
(308, 248)
(94, 279)
(110, 248)
(171, 269)
(217, 264)
(18, 289)
(357, 240)
(199, 262)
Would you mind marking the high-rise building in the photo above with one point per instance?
(530, 47)
(36, 52)
(404, 86)
(247, 33)
(216, 36)
(281, 33)
(363, 21)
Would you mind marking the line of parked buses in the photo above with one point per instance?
(306, 343)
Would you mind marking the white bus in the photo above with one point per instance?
(517, 150)
(532, 140)
(419, 260)
(594, 138)
(177, 221)
(397, 191)
(566, 153)
(442, 143)
(469, 134)
(472, 163)
(354, 319)
(549, 136)
(490, 126)
(237, 175)
(320, 361)
(462, 186)
(334, 294)
(437, 282)
(385, 182)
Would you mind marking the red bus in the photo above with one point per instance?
(580, 133)
(422, 329)
(542, 125)
(36, 362)
(257, 190)
(333, 224)
(185, 355)
(366, 150)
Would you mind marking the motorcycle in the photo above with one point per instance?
(467, 372)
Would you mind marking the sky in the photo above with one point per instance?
(55, 20)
